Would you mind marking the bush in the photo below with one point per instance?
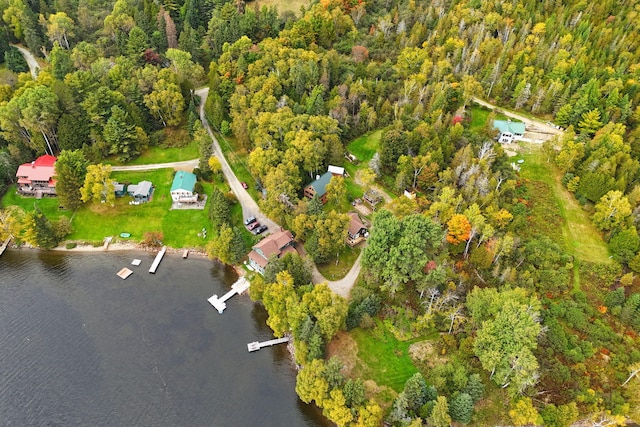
(71, 245)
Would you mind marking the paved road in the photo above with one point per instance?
(31, 60)
(184, 165)
(538, 124)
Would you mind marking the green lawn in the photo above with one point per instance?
(93, 222)
(164, 155)
(382, 357)
(332, 271)
(366, 146)
(479, 116)
(238, 158)
(578, 234)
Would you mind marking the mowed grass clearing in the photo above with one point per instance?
(292, 6)
(579, 236)
(383, 358)
(93, 222)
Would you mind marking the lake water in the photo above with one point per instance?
(81, 347)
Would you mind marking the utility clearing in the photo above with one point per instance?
(580, 237)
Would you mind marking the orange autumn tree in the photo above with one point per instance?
(459, 229)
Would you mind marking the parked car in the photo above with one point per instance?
(244, 185)
(250, 220)
(260, 229)
(253, 225)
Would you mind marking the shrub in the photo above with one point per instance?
(71, 245)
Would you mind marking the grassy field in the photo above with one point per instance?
(176, 149)
(333, 271)
(578, 236)
(282, 5)
(238, 157)
(382, 357)
(93, 222)
(479, 116)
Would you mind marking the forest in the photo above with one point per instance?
(474, 304)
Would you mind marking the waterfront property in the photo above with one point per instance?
(509, 131)
(141, 192)
(318, 187)
(119, 189)
(37, 178)
(274, 245)
(182, 188)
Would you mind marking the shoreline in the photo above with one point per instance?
(82, 247)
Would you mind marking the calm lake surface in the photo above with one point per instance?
(81, 347)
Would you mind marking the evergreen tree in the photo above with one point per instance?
(121, 135)
(71, 169)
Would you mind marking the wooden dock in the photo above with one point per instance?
(156, 262)
(185, 253)
(107, 241)
(4, 245)
(237, 288)
(124, 273)
(255, 346)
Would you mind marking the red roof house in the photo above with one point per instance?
(37, 178)
(276, 244)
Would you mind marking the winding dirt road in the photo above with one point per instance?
(538, 125)
(341, 287)
(249, 206)
(184, 165)
(31, 60)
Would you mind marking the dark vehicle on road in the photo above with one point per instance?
(250, 220)
(260, 229)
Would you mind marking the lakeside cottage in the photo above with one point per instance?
(274, 245)
(509, 131)
(37, 178)
(318, 187)
(182, 188)
(141, 192)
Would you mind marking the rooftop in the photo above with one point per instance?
(320, 184)
(183, 181)
(41, 169)
(509, 126)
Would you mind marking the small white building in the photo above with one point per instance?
(336, 170)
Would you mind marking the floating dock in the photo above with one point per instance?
(255, 346)
(156, 262)
(237, 288)
(124, 273)
(185, 253)
(136, 261)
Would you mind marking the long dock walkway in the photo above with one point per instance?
(255, 346)
(237, 288)
(4, 245)
(156, 262)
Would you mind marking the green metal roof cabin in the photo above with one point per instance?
(183, 185)
(319, 187)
